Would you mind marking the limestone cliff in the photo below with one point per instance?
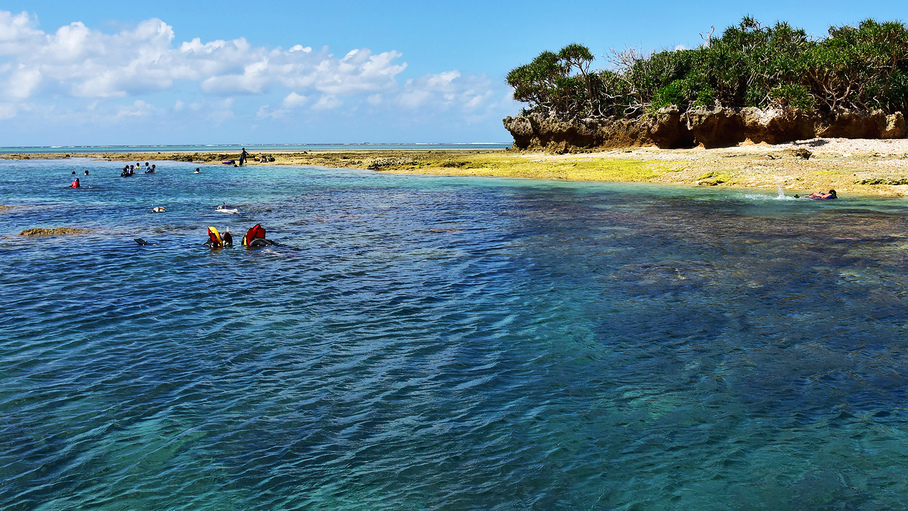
(716, 127)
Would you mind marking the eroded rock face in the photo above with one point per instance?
(776, 126)
(850, 124)
(716, 127)
(719, 127)
(666, 129)
(895, 126)
(537, 132)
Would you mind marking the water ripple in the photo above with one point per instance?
(437, 343)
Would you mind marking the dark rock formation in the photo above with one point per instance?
(718, 127)
(667, 130)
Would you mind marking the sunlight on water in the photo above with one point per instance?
(424, 342)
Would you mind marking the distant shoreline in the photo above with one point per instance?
(851, 166)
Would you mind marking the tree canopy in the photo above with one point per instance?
(858, 68)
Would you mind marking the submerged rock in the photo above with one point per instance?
(52, 232)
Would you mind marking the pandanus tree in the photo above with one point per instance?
(863, 67)
(558, 84)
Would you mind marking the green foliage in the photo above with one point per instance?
(863, 67)
(792, 95)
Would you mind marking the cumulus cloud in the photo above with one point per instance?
(89, 63)
(127, 68)
(446, 90)
(294, 100)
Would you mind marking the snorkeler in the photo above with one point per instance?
(255, 238)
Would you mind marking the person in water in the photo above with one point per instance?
(821, 195)
(86, 172)
(255, 238)
(75, 184)
(227, 238)
(197, 171)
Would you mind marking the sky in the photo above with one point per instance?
(336, 71)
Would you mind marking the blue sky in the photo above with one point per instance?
(340, 71)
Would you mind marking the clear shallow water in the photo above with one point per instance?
(236, 148)
(437, 343)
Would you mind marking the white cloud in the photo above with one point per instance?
(18, 33)
(294, 100)
(144, 71)
(22, 82)
(138, 109)
(327, 102)
(7, 111)
(448, 90)
(82, 62)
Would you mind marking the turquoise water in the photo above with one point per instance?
(253, 148)
(424, 342)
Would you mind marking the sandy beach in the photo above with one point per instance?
(851, 166)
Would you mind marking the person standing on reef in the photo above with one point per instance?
(243, 157)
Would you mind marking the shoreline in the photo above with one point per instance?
(851, 166)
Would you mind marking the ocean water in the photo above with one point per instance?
(253, 148)
(418, 342)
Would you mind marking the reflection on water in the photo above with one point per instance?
(420, 342)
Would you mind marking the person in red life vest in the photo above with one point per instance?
(75, 183)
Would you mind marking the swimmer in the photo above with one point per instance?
(823, 196)
(158, 209)
(197, 171)
(75, 184)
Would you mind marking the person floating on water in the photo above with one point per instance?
(255, 238)
(75, 184)
(86, 172)
(227, 238)
(823, 196)
(214, 239)
(197, 171)
(243, 157)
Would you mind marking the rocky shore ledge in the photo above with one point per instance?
(669, 128)
(852, 166)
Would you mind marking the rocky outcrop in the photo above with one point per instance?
(706, 127)
(667, 129)
(776, 126)
(536, 131)
(719, 127)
